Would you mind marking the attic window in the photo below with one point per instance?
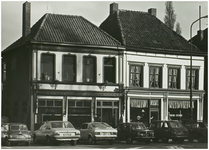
(156, 42)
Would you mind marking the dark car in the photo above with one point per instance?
(169, 129)
(134, 131)
(197, 130)
(15, 133)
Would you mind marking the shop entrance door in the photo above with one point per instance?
(154, 115)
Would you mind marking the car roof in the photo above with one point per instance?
(165, 121)
(13, 124)
(132, 123)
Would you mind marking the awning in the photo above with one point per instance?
(139, 103)
(180, 104)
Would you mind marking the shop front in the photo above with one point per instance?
(77, 109)
(144, 110)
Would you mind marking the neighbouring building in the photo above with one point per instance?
(201, 41)
(62, 68)
(156, 67)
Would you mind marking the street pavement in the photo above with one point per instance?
(116, 145)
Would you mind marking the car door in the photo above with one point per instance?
(158, 130)
(39, 133)
(121, 131)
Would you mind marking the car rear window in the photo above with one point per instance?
(100, 125)
(18, 127)
(176, 125)
(138, 126)
(61, 125)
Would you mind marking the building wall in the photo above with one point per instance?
(164, 95)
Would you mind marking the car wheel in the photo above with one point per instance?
(155, 140)
(180, 140)
(27, 143)
(48, 141)
(73, 142)
(110, 142)
(165, 140)
(201, 139)
(91, 140)
(7, 142)
(190, 139)
(129, 140)
(147, 141)
(35, 139)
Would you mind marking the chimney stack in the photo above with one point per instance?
(152, 11)
(113, 8)
(26, 19)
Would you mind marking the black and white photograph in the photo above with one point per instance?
(104, 74)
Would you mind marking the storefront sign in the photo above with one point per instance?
(154, 103)
(175, 115)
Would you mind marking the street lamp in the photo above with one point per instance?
(191, 111)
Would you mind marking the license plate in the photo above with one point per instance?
(107, 133)
(20, 137)
(68, 134)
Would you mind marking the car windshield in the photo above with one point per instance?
(18, 128)
(61, 125)
(176, 125)
(100, 125)
(138, 126)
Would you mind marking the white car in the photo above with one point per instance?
(97, 131)
(52, 131)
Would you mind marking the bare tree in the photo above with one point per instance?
(170, 16)
(178, 28)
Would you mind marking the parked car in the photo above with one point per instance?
(197, 130)
(97, 131)
(134, 131)
(56, 131)
(15, 133)
(169, 129)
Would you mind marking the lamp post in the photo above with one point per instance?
(191, 110)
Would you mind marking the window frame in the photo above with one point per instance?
(95, 69)
(54, 66)
(113, 66)
(141, 75)
(160, 75)
(178, 77)
(197, 70)
(75, 67)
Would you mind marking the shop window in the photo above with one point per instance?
(89, 69)
(155, 77)
(47, 67)
(109, 70)
(136, 76)
(69, 68)
(174, 78)
(195, 78)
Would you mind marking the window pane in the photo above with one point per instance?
(47, 67)
(69, 71)
(136, 76)
(109, 70)
(89, 72)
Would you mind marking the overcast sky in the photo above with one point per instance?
(96, 12)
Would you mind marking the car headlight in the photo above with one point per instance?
(97, 133)
(77, 132)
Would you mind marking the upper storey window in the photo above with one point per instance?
(69, 68)
(155, 77)
(89, 69)
(48, 67)
(174, 78)
(109, 70)
(195, 79)
(136, 76)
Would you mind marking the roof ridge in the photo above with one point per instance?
(124, 10)
(41, 25)
(101, 30)
(121, 28)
